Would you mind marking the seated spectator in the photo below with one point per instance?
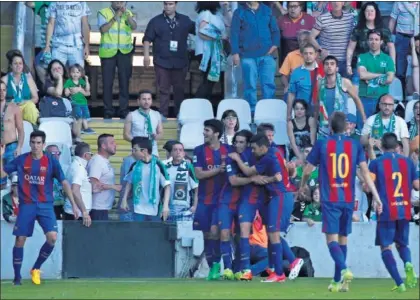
(293, 60)
(58, 191)
(370, 19)
(376, 70)
(301, 130)
(56, 76)
(290, 25)
(230, 126)
(414, 124)
(21, 88)
(313, 211)
(313, 178)
(351, 129)
(144, 122)
(382, 122)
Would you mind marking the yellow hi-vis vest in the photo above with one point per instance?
(118, 36)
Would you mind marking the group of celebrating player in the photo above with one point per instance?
(235, 183)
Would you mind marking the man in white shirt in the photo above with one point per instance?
(80, 185)
(144, 179)
(385, 121)
(183, 181)
(144, 121)
(102, 178)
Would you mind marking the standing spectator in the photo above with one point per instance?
(68, 32)
(334, 92)
(169, 34)
(184, 185)
(116, 24)
(382, 122)
(80, 185)
(376, 70)
(145, 178)
(334, 29)
(102, 178)
(144, 121)
(21, 89)
(414, 124)
(370, 19)
(210, 30)
(255, 38)
(293, 60)
(56, 76)
(230, 126)
(405, 21)
(58, 192)
(303, 81)
(290, 25)
(385, 7)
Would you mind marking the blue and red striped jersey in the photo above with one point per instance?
(36, 177)
(338, 157)
(206, 158)
(394, 175)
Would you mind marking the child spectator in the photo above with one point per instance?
(77, 88)
(351, 130)
(313, 212)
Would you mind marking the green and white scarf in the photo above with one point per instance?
(138, 181)
(148, 121)
(378, 128)
(339, 101)
(414, 129)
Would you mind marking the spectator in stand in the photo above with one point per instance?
(210, 30)
(147, 175)
(385, 7)
(313, 211)
(102, 177)
(405, 21)
(144, 121)
(415, 69)
(303, 80)
(293, 60)
(290, 25)
(68, 32)
(116, 24)
(21, 88)
(58, 192)
(414, 124)
(80, 185)
(334, 29)
(351, 129)
(168, 32)
(313, 178)
(168, 148)
(382, 122)
(77, 88)
(230, 126)
(56, 76)
(301, 130)
(334, 92)
(370, 19)
(376, 70)
(255, 38)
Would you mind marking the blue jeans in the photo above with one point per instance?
(264, 68)
(145, 218)
(402, 48)
(68, 55)
(369, 104)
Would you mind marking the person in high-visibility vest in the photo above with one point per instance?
(116, 24)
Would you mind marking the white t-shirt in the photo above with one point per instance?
(216, 20)
(401, 130)
(139, 126)
(100, 168)
(77, 174)
(145, 207)
(183, 180)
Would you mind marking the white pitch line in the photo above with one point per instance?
(71, 281)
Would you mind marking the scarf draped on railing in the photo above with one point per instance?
(138, 179)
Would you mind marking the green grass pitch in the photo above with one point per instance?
(303, 288)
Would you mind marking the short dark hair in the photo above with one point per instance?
(301, 4)
(302, 102)
(102, 138)
(338, 122)
(389, 141)
(261, 140)
(308, 45)
(212, 6)
(81, 149)
(215, 125)
(141, 92)
(145, 143)
(38, 133)
(263, 127)
(374, 31)
(137, 140)
(331, 57)
(244, 133)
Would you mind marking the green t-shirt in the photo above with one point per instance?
(313, 211)
(380, 64)
(77, 98)
(313, 178)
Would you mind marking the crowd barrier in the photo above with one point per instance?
(144, 250)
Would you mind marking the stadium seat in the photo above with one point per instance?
(396, 90)
(65, 157)
(270, 110)
(65, 120)
(28, 128)
(57, 132)
(280, 133)
(192, 135)
(409, 110)
(240, 106)
(351, 106)
(195, 110)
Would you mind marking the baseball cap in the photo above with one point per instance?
(351, 118)
(168, 145)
